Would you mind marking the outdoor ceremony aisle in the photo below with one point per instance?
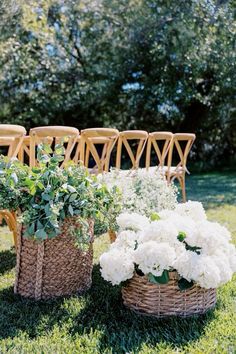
(97, 322)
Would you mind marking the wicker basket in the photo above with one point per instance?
(54, 267)
(166, 300)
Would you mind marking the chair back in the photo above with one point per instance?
(125, 138)
(11, 138)
(160, 141)
(53, 134)
(181, 144)
(24, 153)
(96, 144)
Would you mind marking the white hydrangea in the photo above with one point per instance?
(155, 247)
(153, 257)
(116, 266)
(211, 236)
(206, 273)
(185, 263)
(160, 231)
(223, 265)
(132, 221)
(126, 239)
(183, 224)
(192, 209)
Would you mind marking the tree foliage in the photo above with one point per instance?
(139, 64)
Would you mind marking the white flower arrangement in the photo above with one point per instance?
(143, 192)
(181, 240)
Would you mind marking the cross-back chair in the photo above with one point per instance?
(24, 153)
(11, 137)
(160, 142)
(96, 144)
(181, 145)
(50, 134)
(125, 138)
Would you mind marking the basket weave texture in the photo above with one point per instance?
(54, 267)
(166, 300)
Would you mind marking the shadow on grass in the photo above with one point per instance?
(213, 189)
(7, 261)
(100, 309)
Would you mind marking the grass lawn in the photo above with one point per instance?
(98, 322)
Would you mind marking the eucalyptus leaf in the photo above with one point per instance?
(162, 279)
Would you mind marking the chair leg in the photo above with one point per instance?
(182, 184)
(112, 235)
(12, 224)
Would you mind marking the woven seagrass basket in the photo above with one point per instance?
(166, 300)
(54, 267)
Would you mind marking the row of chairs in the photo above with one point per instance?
(93, 147)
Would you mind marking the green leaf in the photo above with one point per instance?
(184, 284)
(59, 150)
(71, 189)
(181, 236)
(30, 229)
(47, 149)
(40, 185)
(46, 197)
(162, 279)
(71, 211)
(72, 197)
(154, 217)
(57, 158)
(41, 234)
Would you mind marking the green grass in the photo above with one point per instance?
(98, 322)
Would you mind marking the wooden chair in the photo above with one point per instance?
(96, 143)
(140, 136)
(180, 145)
(161, 142)
(52, 134)
(24, 153)
(11, 138)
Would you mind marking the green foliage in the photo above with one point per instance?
(154, 65)
(162, 279)
(47, 194)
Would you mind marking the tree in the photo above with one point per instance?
(129, 63)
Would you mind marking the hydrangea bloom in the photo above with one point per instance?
(126, 240)
(116, 266)
(206, 273)
(153, 257)
(203, 254)
(160, 231)
(192, 209)
(132, 221)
